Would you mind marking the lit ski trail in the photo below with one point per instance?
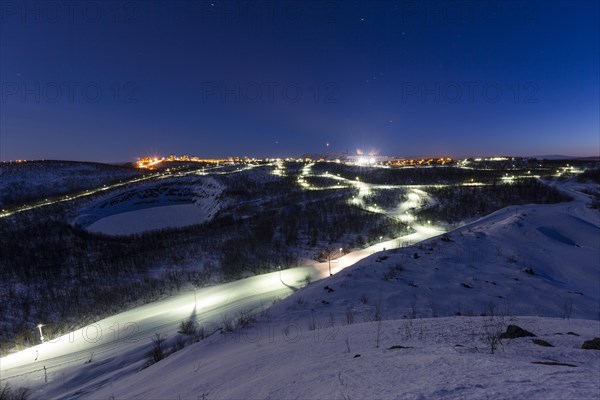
(129, 333)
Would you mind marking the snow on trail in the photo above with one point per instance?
(206, 303)
(120, 343)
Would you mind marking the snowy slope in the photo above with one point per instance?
(480, 269)
(120, 343)
(444, 358)
(21, 182)
(298, 349)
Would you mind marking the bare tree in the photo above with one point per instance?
(157, 352)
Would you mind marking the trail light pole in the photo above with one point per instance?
(329, 259)
(41, 335)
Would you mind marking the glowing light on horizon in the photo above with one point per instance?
(149, 162)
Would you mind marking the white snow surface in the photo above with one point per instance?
(445, 358)
(206, 205)
(299, 348)
(139, 221)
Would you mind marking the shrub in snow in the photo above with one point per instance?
(492, 334)
(567, 309)
(187, 327)
(245, 318)
(364, 299)
(377, 314)
(226, 324)
(307, 279)
(8, 393)
(312, 323)
(392, 272)
(157, 352)
(180, 343)
(349, 315)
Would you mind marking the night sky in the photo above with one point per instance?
(117, 80)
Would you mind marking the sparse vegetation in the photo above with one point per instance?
(364, 299)
(378, 333)
(492, 331)
(567, 309)
(226, 323)
(349, 315)
(458, 203)
(158, 350)
(377, 313)
(35, 180)
(312, 323)
(187, 327)
(307, 279)
(590, 175)
(392, 272)
(8, 393)
(245, 318)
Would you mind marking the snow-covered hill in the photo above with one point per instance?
(322, 342)
(400, 359)
(537, 266)
(25, 181)
(539, 260)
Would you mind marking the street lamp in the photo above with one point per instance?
(41, 335)
(279, 268)
(329, 259)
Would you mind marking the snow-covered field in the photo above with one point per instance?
(139, 221)
(536, 266)
(441, 358)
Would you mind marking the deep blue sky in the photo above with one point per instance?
(113, 81)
